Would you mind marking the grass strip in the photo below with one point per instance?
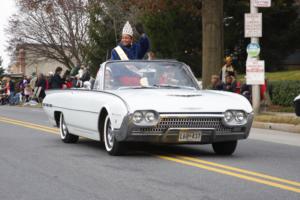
(277, 119)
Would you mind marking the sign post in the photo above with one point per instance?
(253, 50)
(255, 68)
(262, 3)
(253, 25)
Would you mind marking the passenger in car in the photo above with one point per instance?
(123, 76)
(127, 50)
(168, 76)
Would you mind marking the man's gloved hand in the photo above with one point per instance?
(139, 28)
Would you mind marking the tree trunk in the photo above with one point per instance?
(213, 44)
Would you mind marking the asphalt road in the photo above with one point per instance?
(36, 165)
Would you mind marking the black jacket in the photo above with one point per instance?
(57, 82)
(42, 83)
(229, 87)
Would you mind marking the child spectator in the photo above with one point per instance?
(27, 92)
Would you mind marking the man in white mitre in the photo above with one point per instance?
(127, 50)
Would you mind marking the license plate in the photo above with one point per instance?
(190, 136)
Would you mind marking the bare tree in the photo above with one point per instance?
(2, 70)
(56, 29)
(119, 11)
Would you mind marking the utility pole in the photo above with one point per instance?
(213, 44)
(255, 88)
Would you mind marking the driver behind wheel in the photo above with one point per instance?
(123, 75)
(168, 76)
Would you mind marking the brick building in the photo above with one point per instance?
(27, 63)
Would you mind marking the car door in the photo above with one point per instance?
(86, 105)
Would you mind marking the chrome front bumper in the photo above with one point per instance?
(168, 128)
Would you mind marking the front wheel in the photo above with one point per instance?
(112, 146)
(65, 136)
(224, 148)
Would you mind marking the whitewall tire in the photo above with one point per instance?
(112, 146)
(65, 136)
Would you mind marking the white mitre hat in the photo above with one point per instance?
(127, 29)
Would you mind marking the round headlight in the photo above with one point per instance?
(228, 116)
(150, 117)
(240, 116)
(137, 117)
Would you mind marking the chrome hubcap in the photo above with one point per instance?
(110, 135)
(63, 128)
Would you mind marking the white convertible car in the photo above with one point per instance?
(149, 101)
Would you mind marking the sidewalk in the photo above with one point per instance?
(281, 137)
(288, 122)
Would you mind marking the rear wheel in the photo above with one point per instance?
(224, 148)
(65, 136)
(112, 146)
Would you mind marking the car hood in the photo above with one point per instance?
(183, 100)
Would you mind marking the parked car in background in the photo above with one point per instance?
(150, 101)
(297, 105)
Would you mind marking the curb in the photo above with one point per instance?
(277, 126)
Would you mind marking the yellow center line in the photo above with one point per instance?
(229, 173)
(191, 161)
(29, 125)
(17, 122)
(240, 170)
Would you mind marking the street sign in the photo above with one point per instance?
(253, 25)
(253, 49)
(255, 72)
(261, 3)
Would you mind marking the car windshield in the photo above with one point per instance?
(123, 75)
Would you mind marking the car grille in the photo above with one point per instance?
(187, 122)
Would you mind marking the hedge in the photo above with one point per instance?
(283, 92)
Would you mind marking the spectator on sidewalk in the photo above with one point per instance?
(86, 74)
(3, 92)
(33, 80)
(78, 81)
(215, 83)
(75, 70)
(49, 79)
(27, 92)
(68, 80)
(246, 91)
(227, 69)
(230, 84)
(57, 81)
(41, 84)
(22, 84)
(10, 89)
